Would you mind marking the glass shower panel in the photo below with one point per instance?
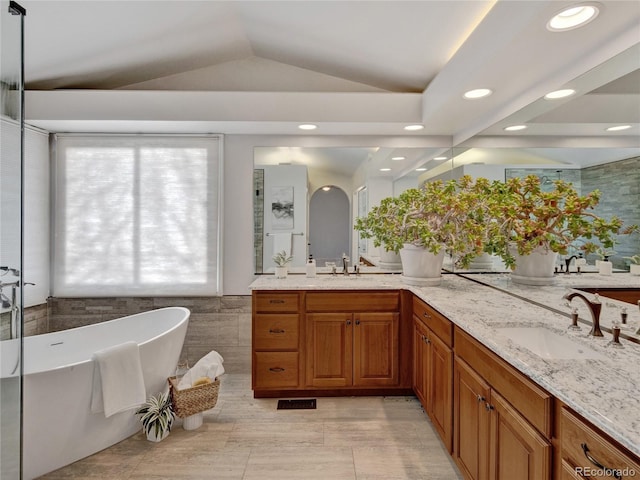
(11, 145)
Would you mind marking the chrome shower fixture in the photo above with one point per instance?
(14, 271)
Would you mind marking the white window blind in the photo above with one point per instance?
(137, 216)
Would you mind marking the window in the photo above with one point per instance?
(137, 216)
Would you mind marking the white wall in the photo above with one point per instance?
(36, 210)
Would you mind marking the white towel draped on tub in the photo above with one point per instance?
(281, 241)
(118, 384)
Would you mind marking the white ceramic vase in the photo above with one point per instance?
(192, 422)
(605, 267)
(281, 272)
(634, 269)
(151, 436)
(484, 261)
(389, 260)
(537, 268)
(420, 266)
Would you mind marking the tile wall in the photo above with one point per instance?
(35, 321)
(622, 177)
(216, 323)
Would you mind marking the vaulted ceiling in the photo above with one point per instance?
(351, 67)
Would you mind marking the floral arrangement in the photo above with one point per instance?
(468, 217)
(281, 259)
(529, 217)
(452, 215)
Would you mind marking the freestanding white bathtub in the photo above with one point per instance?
(59, 427)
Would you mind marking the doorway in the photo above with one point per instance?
(329, 225)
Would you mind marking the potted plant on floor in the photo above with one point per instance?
(281, 259)
(536, 225)
(157, 416)
(422, 223)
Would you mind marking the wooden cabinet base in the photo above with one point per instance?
(339, 392)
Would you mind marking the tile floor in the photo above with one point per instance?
(244, 438)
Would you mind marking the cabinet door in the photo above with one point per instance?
(440, 386)
(420, 362)
(471, 422)
(329, 349)
(375, 349)
(517, 449)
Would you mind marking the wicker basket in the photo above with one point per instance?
(193, 400)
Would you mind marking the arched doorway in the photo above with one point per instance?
(329, 225)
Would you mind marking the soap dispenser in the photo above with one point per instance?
(311, 267)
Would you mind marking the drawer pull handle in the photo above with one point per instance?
(276, 301)
(426, 315)
(276, 369)
(612, 471)
(276, 331)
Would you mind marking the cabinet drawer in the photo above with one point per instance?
(276, 302)
(438, 323)
(276, 331)
(576, 436)
(365, 301)
(275, 369)
(569, 472)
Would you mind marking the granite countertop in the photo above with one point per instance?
(606, 391)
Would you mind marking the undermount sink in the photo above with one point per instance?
(549, 345)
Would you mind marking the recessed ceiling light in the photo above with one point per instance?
(398, 158)
(478, 93)
(327, 188)
(573, 17)
(385, 169)
(414, 127)
(307, 126)
(617, 128)
(565, 92)
(421, 169)
(515, 128)
(439, 158)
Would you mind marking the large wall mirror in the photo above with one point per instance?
(590, 138)
(569, 139)
(306, 198)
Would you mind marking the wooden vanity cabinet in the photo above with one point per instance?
(502, 420)
(331, 342)
(276, 340)
(352, 339)
(433, 367)
(586, 452)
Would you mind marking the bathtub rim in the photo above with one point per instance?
(178, 324)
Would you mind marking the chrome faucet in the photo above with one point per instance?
(594, 307)
(11, 304)
(345, 265)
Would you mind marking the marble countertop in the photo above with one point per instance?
(606, 391)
